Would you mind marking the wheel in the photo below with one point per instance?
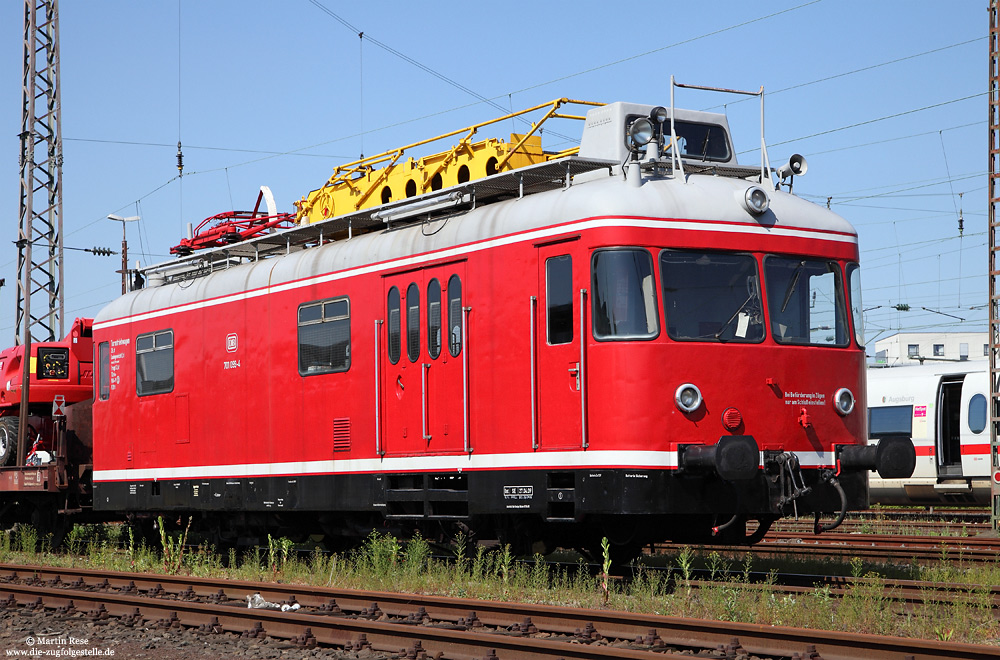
(8, 439)
(49, 524)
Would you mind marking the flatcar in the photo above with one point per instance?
(639, 339)
(943, 407)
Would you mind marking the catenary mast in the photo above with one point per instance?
(40, 260)
(39, 241)
(994, 247)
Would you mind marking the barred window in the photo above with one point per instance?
(392, 313)
(454, 316)
(413, 322)
(154, 363)
(434, 319)
(325, 337)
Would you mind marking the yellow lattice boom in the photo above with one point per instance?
(386, 177)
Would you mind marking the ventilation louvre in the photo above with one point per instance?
(342, 434)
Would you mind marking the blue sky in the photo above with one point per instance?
(887, 100)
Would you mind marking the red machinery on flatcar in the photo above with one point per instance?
(50, 480)
(643, 340)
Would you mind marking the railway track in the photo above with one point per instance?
(969, 527)
(429, 625)
(910, 594)
(887, 548)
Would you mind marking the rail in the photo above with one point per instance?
(455, 627)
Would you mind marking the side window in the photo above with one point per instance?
(977, 413)
(559, 299)
(434, 319)
(887, 421)
(394, 330)
(104, 371)
(412, 322)
(154, 363)
(454, 316)
(324, 337)
(854, 282)
(624, 295)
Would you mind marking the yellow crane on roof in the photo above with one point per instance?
(385, 177)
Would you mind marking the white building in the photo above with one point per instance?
(910, 347)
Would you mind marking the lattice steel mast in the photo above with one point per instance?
(994, 200)
(40, 249)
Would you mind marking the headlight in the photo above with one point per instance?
(688, 397)
(659, 114)
(640, 132)
(843, 401)
(755, 200)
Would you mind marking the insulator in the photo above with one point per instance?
(180, 159)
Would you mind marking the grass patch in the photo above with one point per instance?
(734, 588)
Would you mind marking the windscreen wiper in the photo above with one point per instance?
(739, 309)
(791, 285)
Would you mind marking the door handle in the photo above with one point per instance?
(574, 371)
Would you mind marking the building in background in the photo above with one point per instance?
(916, 347)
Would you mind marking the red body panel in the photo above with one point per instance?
(251, 407)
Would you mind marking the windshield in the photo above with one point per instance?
(695, 140)
(711, 296)
(805, 299)
(701, 141)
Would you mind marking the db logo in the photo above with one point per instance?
(232, 342)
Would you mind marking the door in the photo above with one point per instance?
(422, 382)
(949, 413)
(559, 377)
(402, 374)
(975, 426)
(443, 360)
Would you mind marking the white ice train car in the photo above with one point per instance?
(943, 407)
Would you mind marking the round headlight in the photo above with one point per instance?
(640, 132)
(756, 200)
(659, 114)
(688, 397)
(843, 401)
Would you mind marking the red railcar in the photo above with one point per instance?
(608, 344)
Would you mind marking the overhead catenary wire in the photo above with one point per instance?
(363, 132)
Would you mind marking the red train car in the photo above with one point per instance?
(614, 343)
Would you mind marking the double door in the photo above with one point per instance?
(422, 347)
